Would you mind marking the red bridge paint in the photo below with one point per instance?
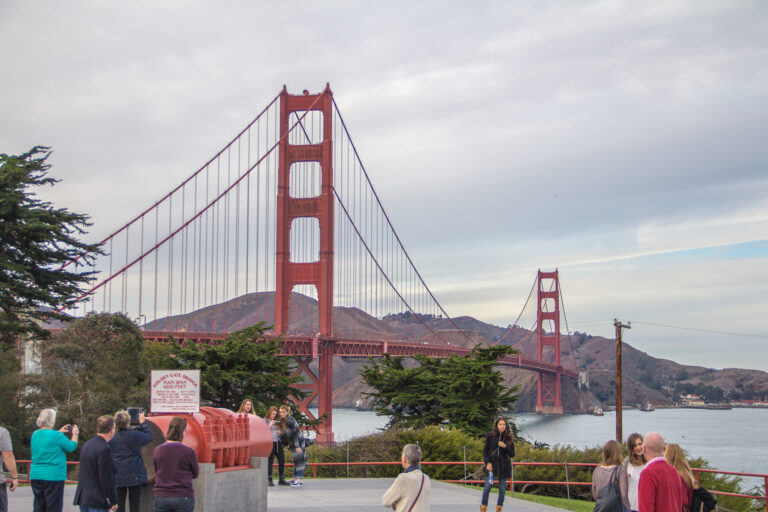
(222, 437)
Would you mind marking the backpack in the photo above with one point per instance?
(609, 497)
(703, 500)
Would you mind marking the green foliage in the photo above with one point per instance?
(526, 452)
(244, 365)
(561, 503)
(12, 415)
(467, 392)
(96, 365)
(722, 483)
(36, 239)
(437, 444)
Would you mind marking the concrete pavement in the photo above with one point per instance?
(332, 495)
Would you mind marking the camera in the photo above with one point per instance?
(134, 413)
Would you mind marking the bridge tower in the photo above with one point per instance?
(318, 273)
(548, 310)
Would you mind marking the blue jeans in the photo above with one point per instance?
(487, 491)
(174, 504)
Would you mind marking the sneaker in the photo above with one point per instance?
(296, 484)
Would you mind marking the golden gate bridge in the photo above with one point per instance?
(283, 225)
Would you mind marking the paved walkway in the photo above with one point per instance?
(334, 495)
(364, 495)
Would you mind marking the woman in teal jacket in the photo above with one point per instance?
(49, 461)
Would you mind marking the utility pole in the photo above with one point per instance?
(619, 326)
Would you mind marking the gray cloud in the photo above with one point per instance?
(501, 137)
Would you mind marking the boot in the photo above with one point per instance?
(270, 482)
(483, 508)
(498, 508)
(282, 482)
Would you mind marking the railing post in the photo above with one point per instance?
(512, 479)
(465, 464)
(347, 459)
(567, 484)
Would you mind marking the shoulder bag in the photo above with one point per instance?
(609, 497)
(419, 494)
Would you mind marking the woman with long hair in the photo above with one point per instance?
(675, 456)
(175, 468)
(246, 407)
(296, 443)
(277, 427)
(498, 449)
(610, 459)
(49, 461)
(629, 479)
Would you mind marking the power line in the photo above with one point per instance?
(712, 331)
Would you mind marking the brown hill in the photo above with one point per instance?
(644, 376)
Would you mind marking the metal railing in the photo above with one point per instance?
(510, 483)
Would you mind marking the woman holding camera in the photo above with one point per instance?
(126, 455)
(49, 461)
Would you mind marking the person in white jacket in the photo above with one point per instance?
(411, 490)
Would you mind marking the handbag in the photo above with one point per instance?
(609, 497)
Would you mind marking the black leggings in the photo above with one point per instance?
(277, 450)
(134, 498)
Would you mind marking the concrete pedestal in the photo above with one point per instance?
(242, 490)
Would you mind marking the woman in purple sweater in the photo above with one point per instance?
(175, 468)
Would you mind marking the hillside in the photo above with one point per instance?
(644, 376)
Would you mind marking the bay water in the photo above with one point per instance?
(731, 440)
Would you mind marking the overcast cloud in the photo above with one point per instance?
(621, 142)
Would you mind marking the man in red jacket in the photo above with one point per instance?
(661, 489)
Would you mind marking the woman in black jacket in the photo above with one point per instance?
(126, 454)
(499, 447)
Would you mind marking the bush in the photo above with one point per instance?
(437, 444)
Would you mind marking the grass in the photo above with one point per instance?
(563, 503)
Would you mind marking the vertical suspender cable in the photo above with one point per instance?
(141, 270)
(247, 225)
(157, 259)
(169, 314)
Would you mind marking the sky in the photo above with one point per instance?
(622, 143)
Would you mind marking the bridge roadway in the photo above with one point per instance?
(339, 495)
(311, 347)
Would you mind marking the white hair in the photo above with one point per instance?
(46, 418)
(412, 453)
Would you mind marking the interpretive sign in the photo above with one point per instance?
(174, 391)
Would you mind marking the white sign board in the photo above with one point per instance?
(174, 391)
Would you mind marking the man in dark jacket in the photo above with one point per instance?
(96, 491)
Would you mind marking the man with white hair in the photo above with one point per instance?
(660, 488)
(411, 490)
